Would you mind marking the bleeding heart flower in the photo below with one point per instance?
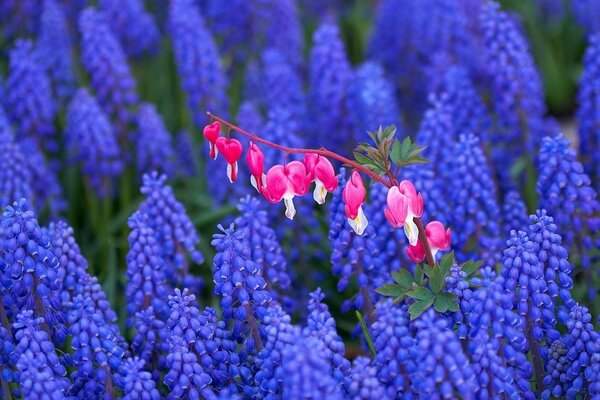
(354, 196)
(438, 239)
(404, 204)
(211, 133)
(285, 182)
(320, 170)
(256, 161)
(231, 150)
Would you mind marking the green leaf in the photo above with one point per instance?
(367, 334)
(446, 263)
(471, 266)
(407, 153)
(443, 301)
(418, 274)
(453, 307)
(419, 293)
(436, 279)
(403, 278)
(418, 308)
(391, 290)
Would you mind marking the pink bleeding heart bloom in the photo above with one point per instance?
(285, 182)
(256, 161)
(320, 170)
(403, 205)
(438, 238)
(232, 151)
(211, 133)
(354, 196)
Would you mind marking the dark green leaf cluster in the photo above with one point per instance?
(388, 151)
(426, 286)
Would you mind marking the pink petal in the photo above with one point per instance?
(437, 235)
(211, 132)
(230, 148)
(324, 171)
(397, 206)
(354, 195)
(277, 183)
(296, 173)
(416, 253)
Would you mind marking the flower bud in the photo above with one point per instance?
(231, 150)
(256, 162)
(354, 196)
(211, 133)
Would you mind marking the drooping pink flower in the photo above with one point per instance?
(438, 238)
(354, 196)
(232, 151)
(320, 170)
(211, 133)
(256, 162)
(285, 182)
(403, 205)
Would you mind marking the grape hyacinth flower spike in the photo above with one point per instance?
(256, 162)
(438, 238)
(403, 205)
(320, 170)
(231, 150)
(285, 182)
(354, 196)
(211, 133)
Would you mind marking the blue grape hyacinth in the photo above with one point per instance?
(154, 145)
(135, 381)
(15, 176)
(92, 142)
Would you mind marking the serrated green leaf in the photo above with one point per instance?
(418, 274)
(419, 307)
(391, 290)
(471, 266)
(453, 307)
(362, 159)
(367, 334)
(402, 278)
(419, 293)
(436, 279)
(443, 301)
(447, 262)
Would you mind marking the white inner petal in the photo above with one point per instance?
(411, 231)
(320, 192)
(360, 223)
(290, 210)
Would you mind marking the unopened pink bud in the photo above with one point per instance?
(256, 162)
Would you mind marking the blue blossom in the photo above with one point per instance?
(154, 146)
(456, 283)
(438, 131)
(200, 71)
(354, 256)
(587, 116)
(175, 231)
(186, 150)
(265, 249)
(249, 117)
(515, 87)
(393, 345)
(15, 175)
(150, 341)
(133, 25)
(565, 191)
(475, 211)
(41, 375)
(364, 384)
(330, 75)
(524, 280)
(8, 355)
(231, 30)
(277, 25)
(321, 325)
(306, 372)
(29, 270)
(592, 376)
(19, 17)
(372, 99)
(106, 64)
(587, 14)
(514, 212)
(441, 366)
(146, 280)
(554, 257)
(136, 383)
(92, 142)
(97, 351)
(29, 98)
(238, 282)
(55, 49)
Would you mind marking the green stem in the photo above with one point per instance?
(536, 358)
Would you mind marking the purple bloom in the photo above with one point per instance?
(186, 150)
(587, 14)
(514, 212)
(456, 283)
(364, 384)
(92, 142)
(15, 176)
(154, 146)
(135, 381)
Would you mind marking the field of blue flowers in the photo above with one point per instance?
(298, 199)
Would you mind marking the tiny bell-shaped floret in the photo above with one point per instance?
(320, 170)
(211, 133)
(232, 151)
(256, 162)
(354, 196)
(403, 205)
(285, 182)
(438, 238)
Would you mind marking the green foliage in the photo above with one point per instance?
(366, 333)
(388, 151)
(426, 286)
